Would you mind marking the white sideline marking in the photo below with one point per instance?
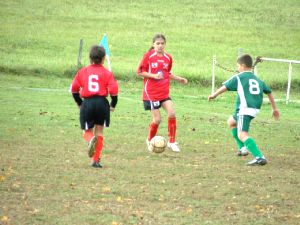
(126, 98)
(281, 100)
(39, 89)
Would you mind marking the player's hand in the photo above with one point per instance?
(158, 76)
(211, 97)
(183, 80)
(112, 109)
(275, 114)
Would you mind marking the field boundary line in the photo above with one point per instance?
(129, 99)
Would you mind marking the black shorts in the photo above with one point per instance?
(94, 110)
(150, 105)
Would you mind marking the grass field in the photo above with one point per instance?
(39, 38)
(45, 177)
(45, 174)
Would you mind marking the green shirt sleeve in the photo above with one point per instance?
(231, 84)
(266, 89)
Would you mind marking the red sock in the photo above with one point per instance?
(152, 130)
(172, 129)
(98, 150)
(87, 135)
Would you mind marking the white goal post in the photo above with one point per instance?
(290, 62)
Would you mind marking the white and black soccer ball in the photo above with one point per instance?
(158, 144)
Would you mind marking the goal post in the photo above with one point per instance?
(290, 62)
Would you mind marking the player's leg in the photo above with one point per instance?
(89, 136)
(101, 117)
(168, 107)
(242, 151)
(153, 127)
(87, 126)
(243, 129)
(156, 118)
(98, 131)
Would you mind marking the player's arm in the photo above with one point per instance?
(275, 111)
(143, 69)
(77, 99)
(217, 92)
(113, 102)
(75, 88)
(178, 78)
(151, 75)
(113, 88)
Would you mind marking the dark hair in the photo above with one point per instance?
(157, 36)
(245, 59)
(97, 53)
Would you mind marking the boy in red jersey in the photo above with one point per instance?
(155, 68)
(94, 83)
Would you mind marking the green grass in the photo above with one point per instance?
(39, 38)
(45, 177)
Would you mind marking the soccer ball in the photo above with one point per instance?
(158, 144)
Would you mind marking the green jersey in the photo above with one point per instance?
(250, 91)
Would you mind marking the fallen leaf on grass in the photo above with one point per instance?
(2, 178)
(119, 199)
(189, 211)
(4, 219)
(106, 189)
(34, 211)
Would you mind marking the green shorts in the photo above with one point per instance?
(243, 122)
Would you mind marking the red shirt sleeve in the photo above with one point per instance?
(145, 63)
(75, 86)
(113, 87)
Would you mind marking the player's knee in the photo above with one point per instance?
(231, 122)
(157, 120)
(171, 114)
(242, 136)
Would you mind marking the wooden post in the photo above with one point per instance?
(213, 77)
(240, 52)
(80, 53)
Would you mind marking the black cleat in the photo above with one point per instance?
(259, 161)
(96, 164)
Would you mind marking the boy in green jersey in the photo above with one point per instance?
(250, 90)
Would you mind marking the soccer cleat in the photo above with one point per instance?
(258, 161)
(92, 146)
(242, 152)
(173, 146)
(96, 164)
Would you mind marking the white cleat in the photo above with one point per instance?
(148, 145)
(242, 152)
(174, 146)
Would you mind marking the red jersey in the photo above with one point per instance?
(94, 80)
(156, 89)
